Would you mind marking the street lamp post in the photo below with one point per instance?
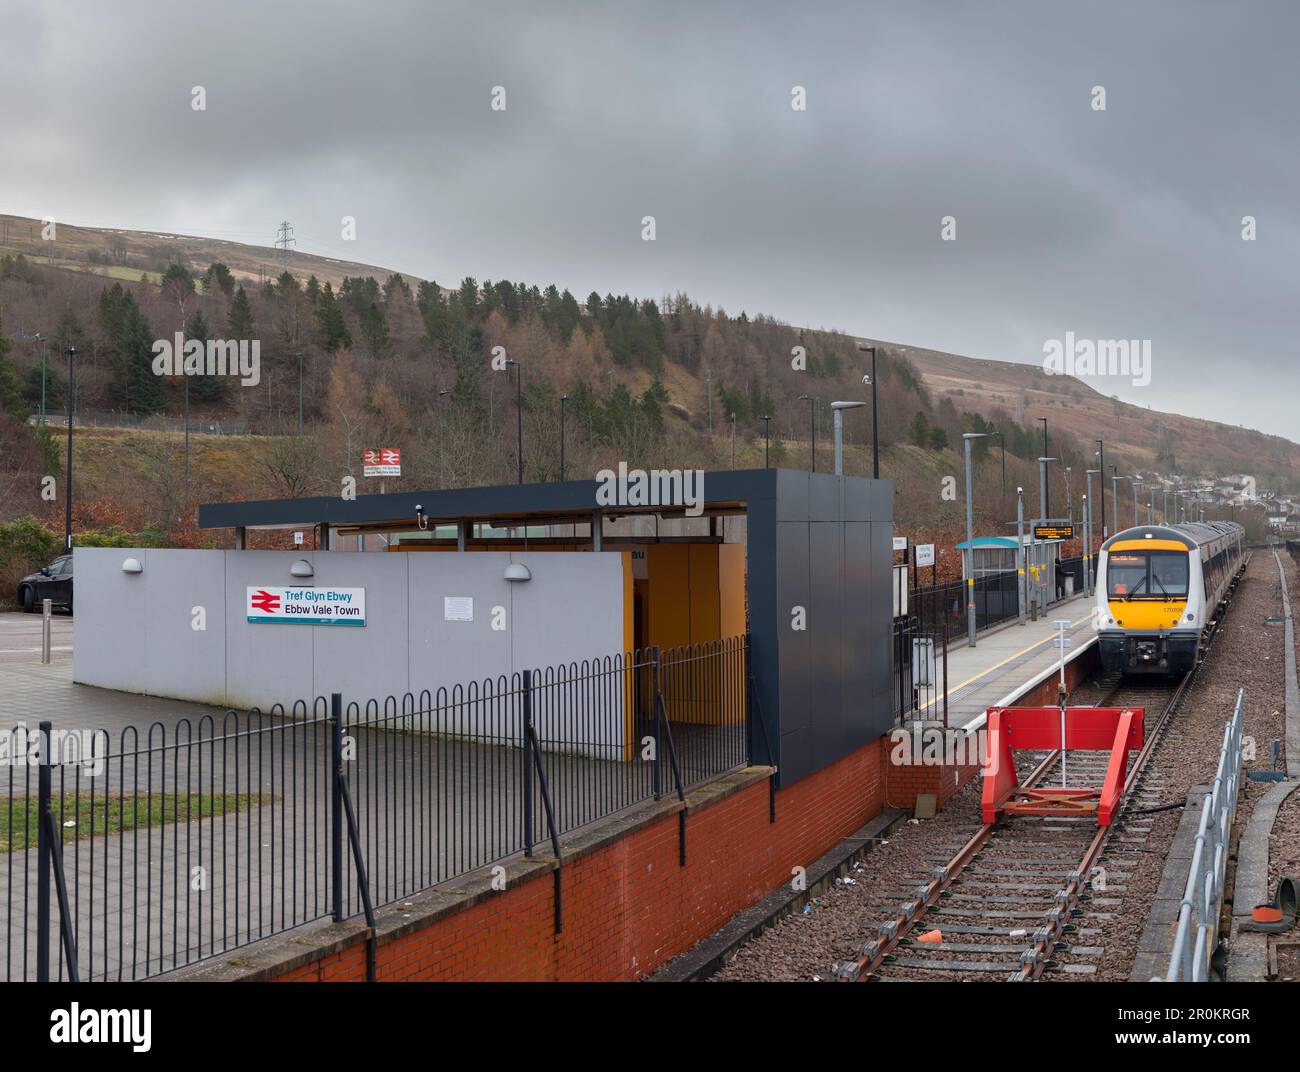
(67, 489)
(299, 392)
(1044, 504)
(1069, 499)
(837, 409)
(733, 441)
(875, 434)
(1136, 483)
(968, 438)
(767, 437)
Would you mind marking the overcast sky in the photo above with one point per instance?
(1122, 223)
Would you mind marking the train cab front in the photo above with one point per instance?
(1148, 624)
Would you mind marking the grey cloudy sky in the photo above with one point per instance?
(1123, 223)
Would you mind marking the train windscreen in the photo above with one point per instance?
(1147, 574)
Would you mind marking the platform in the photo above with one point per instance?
(1007, 662)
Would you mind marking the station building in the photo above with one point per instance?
(461, 585)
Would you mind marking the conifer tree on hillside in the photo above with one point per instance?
(134, 380)
(239, 324)
(204, 388)
(334, 334)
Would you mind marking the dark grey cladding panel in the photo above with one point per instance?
(825, 497)
(795, 645)
(857, 500)
(881, 495)
(791, 495)
(834, 690)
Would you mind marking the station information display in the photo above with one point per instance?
(1053, 532)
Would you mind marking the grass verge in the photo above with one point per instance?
(115, 813)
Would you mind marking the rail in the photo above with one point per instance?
(1198, 917)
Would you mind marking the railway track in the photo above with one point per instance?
(1029, 897)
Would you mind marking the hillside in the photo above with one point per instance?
(388, 361)
(125, 255)
(1136, 434)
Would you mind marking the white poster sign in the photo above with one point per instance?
(458, 608)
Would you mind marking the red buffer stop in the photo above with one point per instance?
(1114, 729)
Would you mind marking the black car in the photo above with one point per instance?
(52, 582)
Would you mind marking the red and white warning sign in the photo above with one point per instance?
(386, 462)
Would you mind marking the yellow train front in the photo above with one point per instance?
(1159, 588)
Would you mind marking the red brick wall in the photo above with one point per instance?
(628, 906)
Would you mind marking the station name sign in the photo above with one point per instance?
(307, 606)
(387, 462)
(1053, 532)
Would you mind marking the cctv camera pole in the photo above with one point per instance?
(67, 490)
(812, 429)
(970, 540)
(1087, 544)
(1114, 490)
(1101, 484)
(1020, 553)
(563, 399)
(441, 424)
(1044, 506)
(519, 419)
(875, 425)
(1091, 514)
(185, 483)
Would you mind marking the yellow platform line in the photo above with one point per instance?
(1009, 658)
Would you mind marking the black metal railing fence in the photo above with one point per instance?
(125, 857)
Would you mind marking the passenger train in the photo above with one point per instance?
(1158, 588)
